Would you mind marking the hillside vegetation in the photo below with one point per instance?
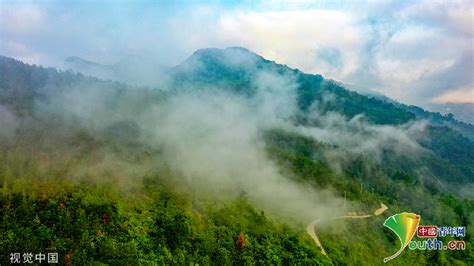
(225, 163)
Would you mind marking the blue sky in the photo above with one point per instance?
(418, 52)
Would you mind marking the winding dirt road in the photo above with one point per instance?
(312, 233)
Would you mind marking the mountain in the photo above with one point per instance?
(132, 69)
(235, 68)
(226, 162)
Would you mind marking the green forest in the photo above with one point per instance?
(83, 174)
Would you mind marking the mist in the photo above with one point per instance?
(9, 123)
(214, 143)
(359, 136)
(211, 139)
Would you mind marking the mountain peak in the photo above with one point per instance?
(222, 61)
(232, 53)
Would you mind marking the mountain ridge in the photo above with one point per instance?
(225, 69)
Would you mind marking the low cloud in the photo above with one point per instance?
(213, 141)
(358, 136)
(209, 139)
(9, 123)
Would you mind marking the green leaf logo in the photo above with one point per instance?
(404, 226)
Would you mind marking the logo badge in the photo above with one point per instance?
(404, 225)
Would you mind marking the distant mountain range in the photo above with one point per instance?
(133, 69)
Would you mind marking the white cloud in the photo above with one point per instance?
(21, 19)
(456, 16)
(463, 95)
(22, 52)
(294, 37)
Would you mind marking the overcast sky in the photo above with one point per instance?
(417, 52)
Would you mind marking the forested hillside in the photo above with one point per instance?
(226, 162)
(236, 69)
